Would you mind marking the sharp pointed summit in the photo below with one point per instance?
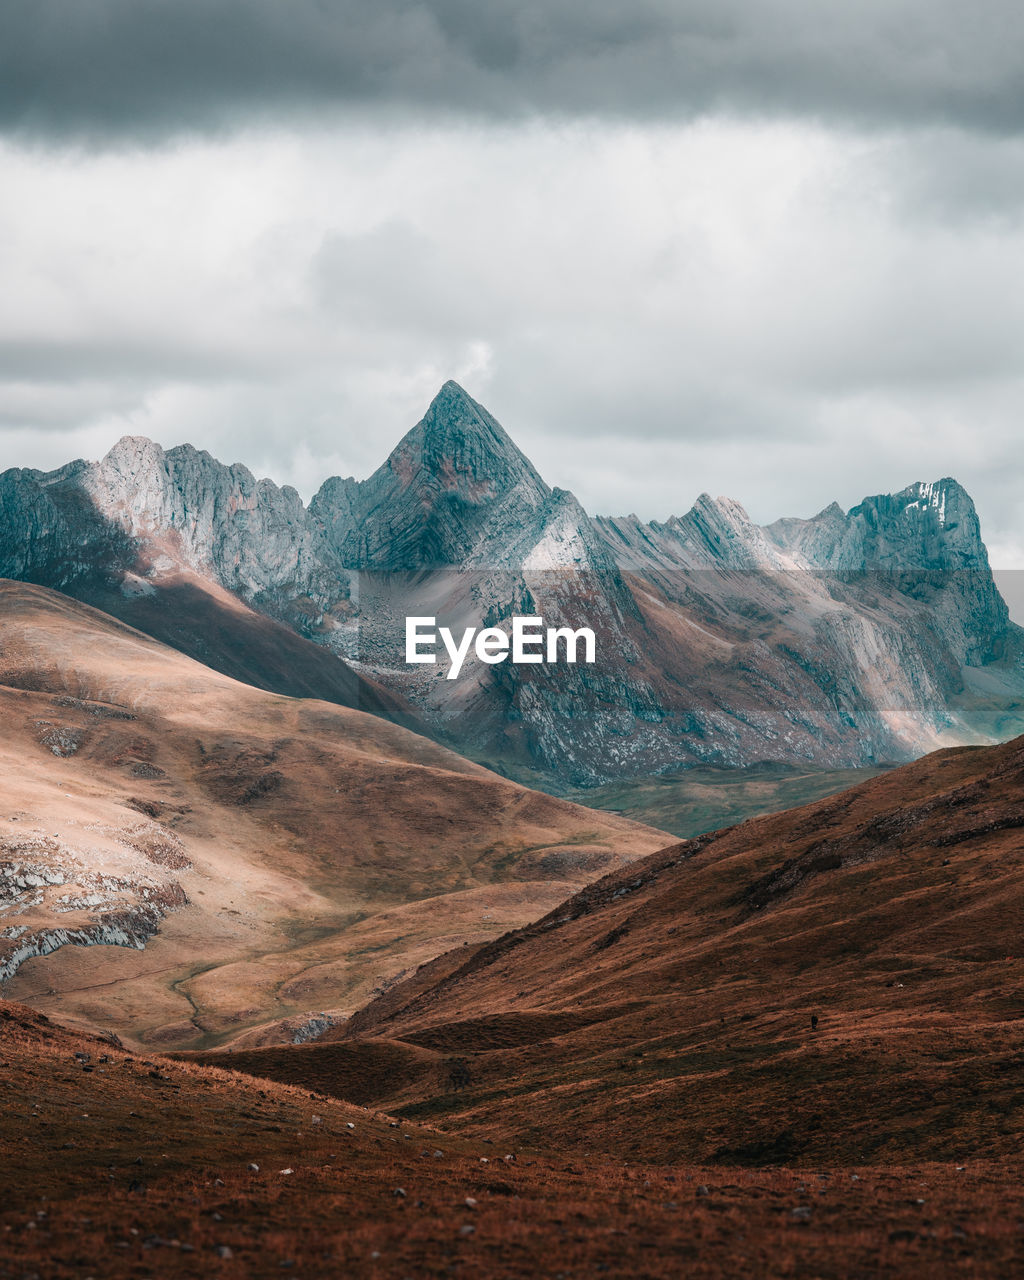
(448, 487)
(464, 448)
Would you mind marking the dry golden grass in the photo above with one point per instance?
(321, 850)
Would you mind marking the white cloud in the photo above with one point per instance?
(773, 311)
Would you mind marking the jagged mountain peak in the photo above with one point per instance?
(135, 463)
(929, 525)
(459, 445)
(452, 392)
(451, 490)
(936, 495)
(728, 508)
(453, 402)
(931, 508)
(946, 483)
(132, 443)
(719, 531)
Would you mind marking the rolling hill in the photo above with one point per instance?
(248, 855)
(842, 982)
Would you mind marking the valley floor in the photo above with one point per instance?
(691, 802)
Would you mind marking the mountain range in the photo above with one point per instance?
(844, 640)
(234, 837)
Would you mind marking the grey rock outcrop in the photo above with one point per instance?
(925, 526)
(53, 895)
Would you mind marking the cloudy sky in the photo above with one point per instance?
(767, 248)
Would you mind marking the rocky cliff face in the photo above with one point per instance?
(844, 639)
(924, 542)
(156, 512)
(170, 541)
(925, 526)
(456, 493)
(853, 633)
(50, 531)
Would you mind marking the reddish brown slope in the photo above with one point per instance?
(118, 1166)
(667, 1011)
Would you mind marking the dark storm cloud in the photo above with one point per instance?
(151, 68)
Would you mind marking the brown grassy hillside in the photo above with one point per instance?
(274, 856)
(839, 982)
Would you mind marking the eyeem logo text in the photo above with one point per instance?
(530, 641)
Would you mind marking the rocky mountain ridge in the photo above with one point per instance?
(844, 639)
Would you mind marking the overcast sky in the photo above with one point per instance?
(767, 248)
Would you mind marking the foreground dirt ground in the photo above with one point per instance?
(115, 1165)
